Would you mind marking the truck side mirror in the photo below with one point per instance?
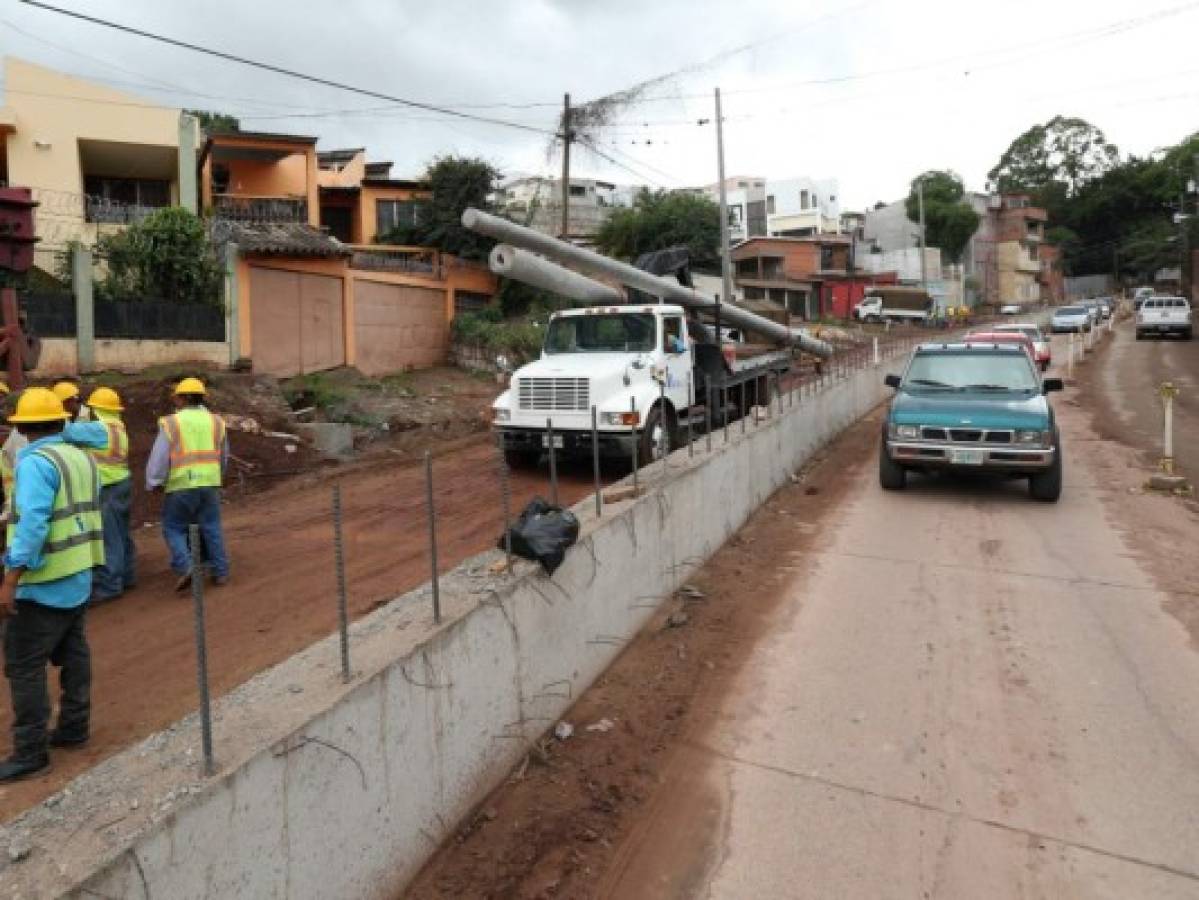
(1051, 384)
(891, 381)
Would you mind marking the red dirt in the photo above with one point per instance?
(281, 598)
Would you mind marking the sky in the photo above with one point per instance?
(870, 92)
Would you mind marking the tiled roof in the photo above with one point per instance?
(278, 238)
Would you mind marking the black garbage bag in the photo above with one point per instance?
(543, 532)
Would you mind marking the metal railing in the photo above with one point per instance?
(415, 260)
(242, 208)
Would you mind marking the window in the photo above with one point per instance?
(672, 335)
(469, 301)
(803, 199)
(832, 198)
(742, 184)
(770, 204)
(392, 214)
(116, 192)
(736, 214)
(578, 190)
(616, 333)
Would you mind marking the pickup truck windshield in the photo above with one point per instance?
(617, 333)
(970, 370)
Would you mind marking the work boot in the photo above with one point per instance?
(66, 740)
(17, 767)
(184, 582)
(220, 580)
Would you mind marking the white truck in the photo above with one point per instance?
(894, 304)
(1164, 315)
(645, 370)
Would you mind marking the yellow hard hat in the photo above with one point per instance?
(4, 391)
(39, 404)
(105, 398)
(65, 390)
(190, 386)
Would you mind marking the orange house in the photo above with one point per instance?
(259, 176)
(359, 200)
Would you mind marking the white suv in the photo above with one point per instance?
(1164, 315)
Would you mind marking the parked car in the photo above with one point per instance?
(1010, 309)
(995, 336)
(1092, 308)
(1105, 307)
(1044, 352)
(1070, 318)
(1164, 315)
(964, 407)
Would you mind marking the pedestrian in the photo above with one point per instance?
(187, 462)
(54, 541)
(109, 445)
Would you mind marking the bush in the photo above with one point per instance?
(486, 328)
(166, 256)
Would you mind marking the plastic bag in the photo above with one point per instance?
(542, 532)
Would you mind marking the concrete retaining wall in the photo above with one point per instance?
(60, 356)
(328, 790)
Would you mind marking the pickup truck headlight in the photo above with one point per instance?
(905, 432)
(500, 414)
(1025, 436)
(621, 418)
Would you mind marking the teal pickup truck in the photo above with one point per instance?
(972, 407)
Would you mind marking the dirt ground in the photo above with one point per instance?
(555, 825)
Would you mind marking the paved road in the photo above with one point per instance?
(966, 694)
(1127, 389)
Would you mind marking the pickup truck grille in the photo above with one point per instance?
(553, 394)
(967, 435)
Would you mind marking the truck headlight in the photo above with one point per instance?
(1025, 436)
(500, 414)
(905, 432)
(621, 418)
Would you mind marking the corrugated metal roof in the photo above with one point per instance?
(278, 238)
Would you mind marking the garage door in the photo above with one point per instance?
(398, 327)
(296, 322)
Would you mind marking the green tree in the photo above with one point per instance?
(215, 122)
(1053, 161)
(662, 219)
(167, 256)
(949, 221)
(455, 182)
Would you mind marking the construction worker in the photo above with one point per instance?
(68, 393)
(109, 443)
(54, 540)
(187, 461)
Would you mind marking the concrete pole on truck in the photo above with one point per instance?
(726, 262)
(566, 168)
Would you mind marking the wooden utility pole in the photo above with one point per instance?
(726, 263)
(566, 169)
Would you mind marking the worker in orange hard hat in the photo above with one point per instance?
(188, 462)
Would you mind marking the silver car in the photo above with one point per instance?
(1070, 318)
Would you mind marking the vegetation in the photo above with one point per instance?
(455, 183)
(167, 256)
(487, 328)
(215, 122)
(662, 219)
(948, 220)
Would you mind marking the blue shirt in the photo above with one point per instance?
(37, 483)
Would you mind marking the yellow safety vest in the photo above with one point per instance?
(8, 468)
(112, 460)
(196, 437)
(75, 540)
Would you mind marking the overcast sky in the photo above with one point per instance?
(870, 93)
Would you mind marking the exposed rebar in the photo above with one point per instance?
(339, 565)
(197, 575)
(432, 536)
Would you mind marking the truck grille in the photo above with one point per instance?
(967, 435)
(554, 394)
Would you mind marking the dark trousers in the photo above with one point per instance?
(118, 573)
(37, 635)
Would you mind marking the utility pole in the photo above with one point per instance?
(920, 200)
(566, 168)
(726, 263)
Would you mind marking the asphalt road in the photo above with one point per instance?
(1126, 388)
(966, 694)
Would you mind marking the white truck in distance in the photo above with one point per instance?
(894, 304)
(646, 371)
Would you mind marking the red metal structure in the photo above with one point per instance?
(17, 238)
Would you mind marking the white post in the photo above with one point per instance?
(1070, 358)
(1168, 392)
(876, 357)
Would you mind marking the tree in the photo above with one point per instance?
(662, 219)
(455, 182)
(166, 256)
(1061, 155)
(215, 122)
(949, 221)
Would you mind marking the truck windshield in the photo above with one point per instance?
(970, 370)
(616, 333)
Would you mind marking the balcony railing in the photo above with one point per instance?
(97, 209)
(243, 208)
(381, 258)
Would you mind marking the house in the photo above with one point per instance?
(745, 198)
(360, 201)
(1004, 256)
(536, 201)
(801, 207)
(804, 277)
(95, 158)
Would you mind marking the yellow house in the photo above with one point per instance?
(96, 158)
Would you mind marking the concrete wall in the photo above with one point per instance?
(60, 356)
(327, 790)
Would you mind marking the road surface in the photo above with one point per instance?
(963, 694)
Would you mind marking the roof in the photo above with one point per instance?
(263, 136)
(278, 238)
(339, 155)
(396, 183)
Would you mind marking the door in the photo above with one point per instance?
(676, 353)
(296, 322)
(398, 327)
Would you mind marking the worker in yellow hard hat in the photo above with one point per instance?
(188, 462)
(108, 442)
(54, 541)
(68, 392)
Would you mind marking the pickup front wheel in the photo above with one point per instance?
(891, 475)
(1047, 485)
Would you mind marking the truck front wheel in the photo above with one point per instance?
(522, 459)
(657, 438)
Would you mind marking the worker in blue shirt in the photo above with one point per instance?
(55, 538)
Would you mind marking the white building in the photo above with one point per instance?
(537, 201)
(746, 199)
(801, 207)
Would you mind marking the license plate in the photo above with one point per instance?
(545, 441)
(967, 456)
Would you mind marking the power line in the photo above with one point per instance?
(290, 73)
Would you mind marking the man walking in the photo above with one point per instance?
(187, 461)
(54, 541)
(109, 442)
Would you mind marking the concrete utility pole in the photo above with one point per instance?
(726, 262)
(920, 201)
(566, 168)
